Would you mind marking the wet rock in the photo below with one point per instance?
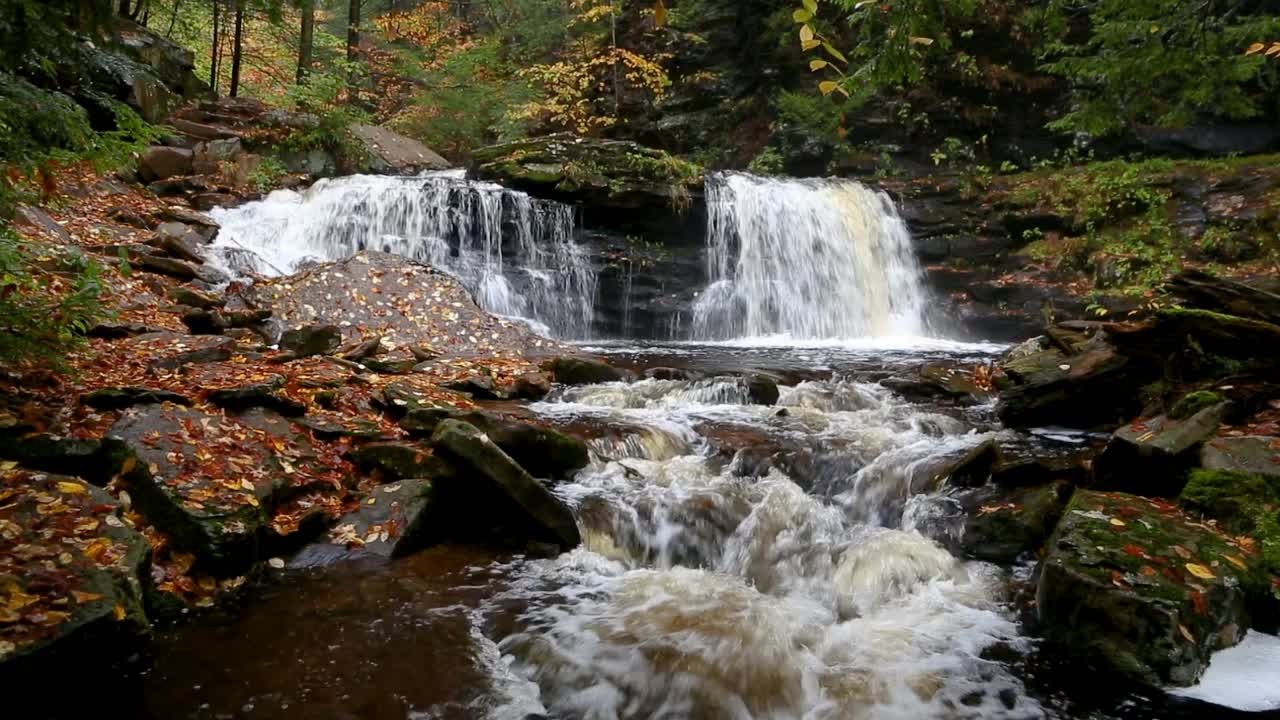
(544, 516)
(161, 162)
(422, 421)
(1194, 402)
(206, 201)
(544, 452)
(335, 426)
(966, 467)
(362, 350)
(669, 373)
(71, 602)
(1258, 455)
(118, 398)
(390, 366)
(205, 225)
(386, 152)
(116, 331)
(1003, 524)
(570, 370)
(202, 321)
(1136, 588)
(1013, 470)
(762, 388)
(392, 521)
(210, 482)
(392, 461)
(258, 395)
(939, 380)
(196, 299)
(1153, 457)
(180, 269)
(480, 387)
(179, 241)
(312, 340)
(1093, 388)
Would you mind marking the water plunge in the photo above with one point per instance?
(516, 254)
(810, 259)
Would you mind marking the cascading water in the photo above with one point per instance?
(516, 254)
(810, 259)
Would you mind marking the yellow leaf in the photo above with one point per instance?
(83, 598)
(1274, 50)
(72, 488)
(811, 44)
(1200, 571)
(1186, 633)
(810, 5)
(7, 465)
(1238, 562)
(921, 41)
(816, 65)
(1117, 522)
(120, 612)
(660, 14)
(806, 34)
(802, 16)
(1255, 48)
(826, 87)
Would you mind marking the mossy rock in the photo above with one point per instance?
(570, 370)
(1194, 402)
(391, 521)
(602, 173)
(1136, 587)
(1154, 456)
(1004, 524)
(1256, 454)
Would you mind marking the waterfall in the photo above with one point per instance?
(516, 254)
(810, 259)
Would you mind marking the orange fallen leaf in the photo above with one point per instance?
(83, 598)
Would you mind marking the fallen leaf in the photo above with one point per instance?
(1186, 633)
(1200, 571)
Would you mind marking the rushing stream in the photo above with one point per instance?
(739, 560)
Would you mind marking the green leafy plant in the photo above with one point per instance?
(48, 301)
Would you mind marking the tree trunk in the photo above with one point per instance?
(306, 43)
(237, 49)
(213, 54)
(173, 19)
(124, 8)
(353, 30)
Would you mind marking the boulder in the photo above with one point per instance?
(600, 173)
(392, 461)
(208, 156)
(210, 481)
(312, 340)
(179, 241)
(1227, 296)
(762, 388)
(1141, 591)
(391, 521)
(571, 370)
(82, 457)
(1153, 457)
(385, 152)
(1257, 455)
(71, 593)
(963, 467)
(196, 299)
(544, 452)
(939, 380)
(161, 162)
(1090, 389)
(1003, 525)
(169, 350)
(205, 225)
(262, 394)
(536, 513)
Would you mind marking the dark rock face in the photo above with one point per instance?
(392, 461)
(544, 452)
(1153, 457)
(1256, 455)
(1136, 588)
(124, 397)
(526, 501)
(570, 370)
(1003, 525)
(762, 388)
(1085, 390)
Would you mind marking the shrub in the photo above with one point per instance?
(46, 305)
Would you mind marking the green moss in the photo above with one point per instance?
(1233, 498)
(1194, 402)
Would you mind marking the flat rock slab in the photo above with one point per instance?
(1258, 455)
(1153, 456)
(1090, 389)
(71, 581)
(1134, 586)
(410, 305)
(392, 521)
(1003, 524)
(211, 481)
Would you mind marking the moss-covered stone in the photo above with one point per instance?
(1004, 524)
(1153, 456)
(603, 173)
(1256, 454)
(1194, 402)
(1137, 587)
